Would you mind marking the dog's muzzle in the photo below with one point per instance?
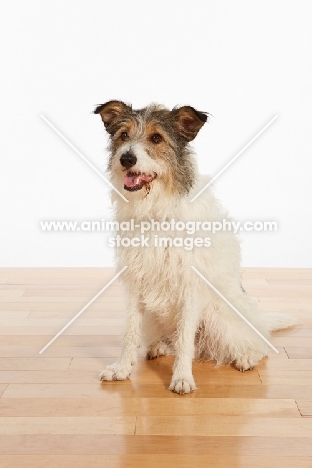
(128, 160)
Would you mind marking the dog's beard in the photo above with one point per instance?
(136, 180)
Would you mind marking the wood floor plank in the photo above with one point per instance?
(54, 299)
(278, 273)
(153, 461)
(298, 302)
(305, 407)
(57, 272)
(11, 295)
(22, 364)
(141, 375)
(72, 306)
(278, 364)
(223, 426)
(129, 388)
(284, 377)
(19, 321)
(113, 313)
(63, 351)
(53, 330)
(77, 293)
(295, 308)
(292, 341)
(64, 390)
(234, 446)
(285, 281)
(132, 406)
(280, 291)
(299, 353)
(62, 340)
(13, 316)
(65, 284)
(67, 425)
(47, 376)
(254, 282)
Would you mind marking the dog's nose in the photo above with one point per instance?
(128, 160)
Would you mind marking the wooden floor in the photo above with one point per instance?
(54, 412)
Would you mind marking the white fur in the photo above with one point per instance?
(180, 313)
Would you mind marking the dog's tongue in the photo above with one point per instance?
(131, 180)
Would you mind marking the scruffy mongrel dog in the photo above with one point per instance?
(152, 164)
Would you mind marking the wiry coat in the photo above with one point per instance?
(181, 314)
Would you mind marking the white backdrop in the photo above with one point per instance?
(242, 61)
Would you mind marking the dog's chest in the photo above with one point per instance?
(156, 275)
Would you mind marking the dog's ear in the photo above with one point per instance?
(110, 110)
(189, 121)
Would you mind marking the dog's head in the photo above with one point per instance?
(149, 146)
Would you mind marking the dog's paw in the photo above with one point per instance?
(248, 361)
(158, 349)
(182, 386)
(115, 372)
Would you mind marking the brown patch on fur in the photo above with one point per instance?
(151, 129)
(189, 121)
(110, 110)
(128, 126)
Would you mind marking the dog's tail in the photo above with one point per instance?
(275, 321)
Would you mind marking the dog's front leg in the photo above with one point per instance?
(182, 379)
(131, 341)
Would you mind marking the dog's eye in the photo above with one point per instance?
(156, 138)
(124, 136)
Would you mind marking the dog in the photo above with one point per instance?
(169, 304)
